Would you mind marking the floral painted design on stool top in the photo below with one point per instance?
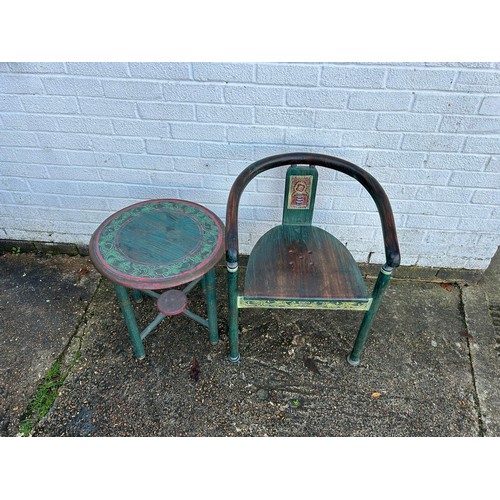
(157, 244)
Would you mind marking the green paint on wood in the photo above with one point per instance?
(130, 321)
(378, 291)
(158, 240)
(209, 286)
(163, 236)
(232, 292)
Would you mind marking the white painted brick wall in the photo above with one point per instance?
(81, 140)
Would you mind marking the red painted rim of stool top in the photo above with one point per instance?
(151, 283)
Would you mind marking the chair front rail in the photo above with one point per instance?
(273, 303)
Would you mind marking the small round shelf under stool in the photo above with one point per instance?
(158, 245)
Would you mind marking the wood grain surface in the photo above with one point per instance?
(302, 262)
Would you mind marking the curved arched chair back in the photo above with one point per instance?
(298, 265)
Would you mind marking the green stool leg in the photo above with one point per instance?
(378, 291)
(137, 296)
(232, 290)
(208, 283)
(130, 321)
(203, 284)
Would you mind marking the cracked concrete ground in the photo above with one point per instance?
(430, 366)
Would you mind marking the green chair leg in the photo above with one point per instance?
(232, 290)
(130, 321)
(378, 291)
(208, 284)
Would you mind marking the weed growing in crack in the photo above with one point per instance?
(43, 400)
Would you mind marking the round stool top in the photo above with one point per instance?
(157, 244)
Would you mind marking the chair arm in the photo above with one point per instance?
(392, 253)
(369, 183)
(232, 223)
(233, 204)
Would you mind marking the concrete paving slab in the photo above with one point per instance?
(484, 358)
(43, 301)
(430, 367)
(415, 378)
(482, 312)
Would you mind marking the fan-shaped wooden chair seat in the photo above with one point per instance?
(303, 263)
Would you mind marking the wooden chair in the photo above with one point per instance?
(300, 266)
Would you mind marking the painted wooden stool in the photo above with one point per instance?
(157, 245)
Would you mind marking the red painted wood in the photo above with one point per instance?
(172, 302)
